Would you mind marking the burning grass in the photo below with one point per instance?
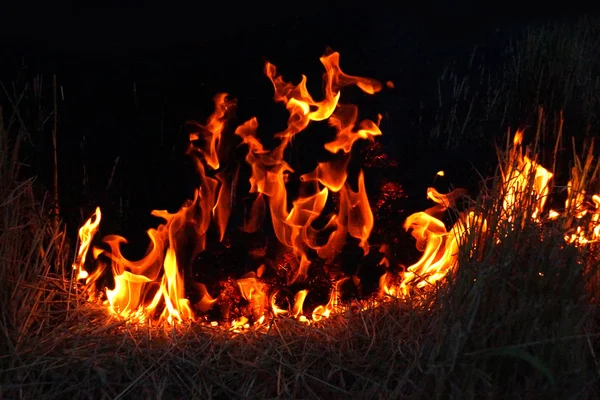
(514, 314)
(517, 318)
(496, 328)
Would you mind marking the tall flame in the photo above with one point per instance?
(154, 285)
(270, 170)
(86, 234)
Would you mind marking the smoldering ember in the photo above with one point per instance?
(303, 237)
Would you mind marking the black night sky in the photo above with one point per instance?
(131, 76)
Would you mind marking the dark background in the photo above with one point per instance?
(178, 58)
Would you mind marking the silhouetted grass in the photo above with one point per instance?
(552, 65)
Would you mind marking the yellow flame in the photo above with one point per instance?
(86, 234)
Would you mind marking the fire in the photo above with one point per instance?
(521, 174)
(308, 227)
(155, 287)
(86, 234)
(524, 191)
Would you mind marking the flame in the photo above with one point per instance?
(274, 308)
(588, 232)
(439, 246)
(254, 291)
(525, 188)
(325, 311)
(211, 132)
(523, 173)
(154, 285)
(270, 171)
(86, 234)
(299, 304)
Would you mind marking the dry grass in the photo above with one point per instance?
(518, 319)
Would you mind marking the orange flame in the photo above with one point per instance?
(525, 188)
(521, 174)
(155, 282)
(325, 311)
(154, 285)
(269, 170)
(439, 247)
(86, 234)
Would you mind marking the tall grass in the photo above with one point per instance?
(554, 65)
(33, 249)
